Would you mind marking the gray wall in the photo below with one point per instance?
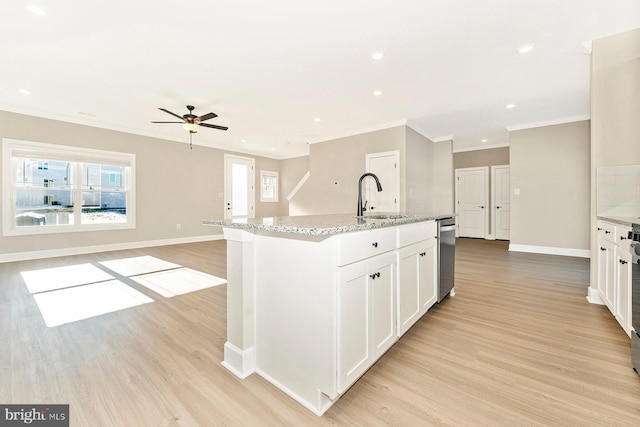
(342, 160)
(550, 166)
(291, 172)
(476, 158)
(615, 110)
(175, 185)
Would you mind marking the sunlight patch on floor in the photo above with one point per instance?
(48, 279)
(82, 302)
(177, 282)
(138, 265)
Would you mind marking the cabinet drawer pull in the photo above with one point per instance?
(422, 253)
(623, 238)
(374, 244)
(607, 232)
(621, 261)
(374, 275)
(599, 229)
(603, 249)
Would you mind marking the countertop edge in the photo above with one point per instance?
(338, 228)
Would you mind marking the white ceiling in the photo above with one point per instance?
(268, 68)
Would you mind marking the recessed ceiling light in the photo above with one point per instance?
(377, 92)
(317, 119)
(377, 56)
(36, 10)
(525, 48)
(243, 140)
(25, 92)
(510, 106)
(273, 149)
(484, 139)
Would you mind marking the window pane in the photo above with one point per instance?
(43, 207)
(99, 207)
(96, 177)
(239, 192)
(43, 173)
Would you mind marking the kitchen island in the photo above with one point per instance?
(314, 301)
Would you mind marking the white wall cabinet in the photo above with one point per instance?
(366, 324)
(614, 271)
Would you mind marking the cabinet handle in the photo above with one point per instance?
(599, 229)
(422, 253)
(481, 207)
(607, 232)
(374, 275)
(621, 261)
(497, 207)
(603, 249)
(374, 244)
(623, 238)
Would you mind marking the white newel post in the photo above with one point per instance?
(239, 350)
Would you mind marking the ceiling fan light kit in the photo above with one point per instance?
(191, 122)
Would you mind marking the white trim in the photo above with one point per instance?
(299, 185)
(480, 147)
(593, 296)
(549, 250)
(562, 121)
(440, 138)
(358, 132)
(240, 363)
(81, 250)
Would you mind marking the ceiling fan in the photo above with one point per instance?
(191, 122)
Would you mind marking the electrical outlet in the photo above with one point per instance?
(178, 226)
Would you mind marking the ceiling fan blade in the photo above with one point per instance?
(173, 114)
(167, 122)
(214, 126)
(206, 117)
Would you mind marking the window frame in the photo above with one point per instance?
(13, 149)
(273, 174)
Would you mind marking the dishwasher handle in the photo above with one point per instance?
(447, 228)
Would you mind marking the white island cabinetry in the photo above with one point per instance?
(312, 312)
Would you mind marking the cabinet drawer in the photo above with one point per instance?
(353, 247)
(621, 235)
(414, 233)
(606, 230)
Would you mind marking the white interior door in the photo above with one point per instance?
(239, 182)
(501, 207)
(386, 167)
(472, 203)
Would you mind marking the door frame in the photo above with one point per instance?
(492, 235)
(486, 196)
(252, 190)
(396, 155)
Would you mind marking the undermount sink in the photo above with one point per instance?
(385, 216)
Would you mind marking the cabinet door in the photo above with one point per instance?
(623, 289)
(428, 274)
(607, 275)
(382, 291)
(366, 315)
(409, 307)
(354, 349)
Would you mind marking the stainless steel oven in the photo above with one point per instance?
(635, 298)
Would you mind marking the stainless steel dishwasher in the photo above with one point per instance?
(446, 256)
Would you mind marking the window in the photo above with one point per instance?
(50, 188)
(268, 186)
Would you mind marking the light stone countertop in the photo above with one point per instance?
(622, 220)
(325, 225)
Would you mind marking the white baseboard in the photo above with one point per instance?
(593, 296)
(241, 363)
(50, 253)
(549, 250)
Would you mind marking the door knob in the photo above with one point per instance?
(497, 207)
(481, 207)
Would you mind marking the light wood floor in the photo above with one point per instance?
(517, 345)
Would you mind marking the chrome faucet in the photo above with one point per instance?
(361, 208)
